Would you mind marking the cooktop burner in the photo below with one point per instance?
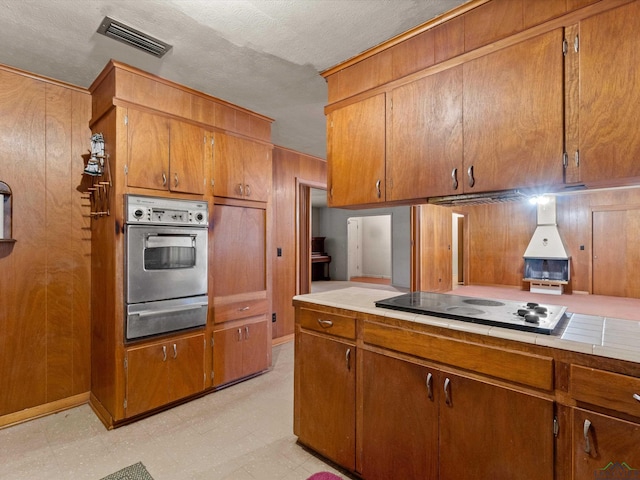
(531, 317)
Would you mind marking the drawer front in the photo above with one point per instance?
(241, 309)
(331, 323)
(519, 367)
(606, 389)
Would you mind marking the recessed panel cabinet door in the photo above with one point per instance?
(356, 153)
(492, 432)
(425, 144)
(513, 116)
(186, 173)
(609, 94)
(148, 150)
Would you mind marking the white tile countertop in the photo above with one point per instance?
(603, 336)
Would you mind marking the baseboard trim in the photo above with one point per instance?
(284, 339)
(43, 410)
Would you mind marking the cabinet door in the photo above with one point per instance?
(604, 447)
(609, 94)
(257, 171)
(491, 432)
(425, 144)
(148, 150)
(187, 145)
(513, 116)
(228, 166)
(254, 347)
(239, 250)
(146, 378)
(400, 419)
(227, 355)
(356, 153)
(326, 399)
(186, 366)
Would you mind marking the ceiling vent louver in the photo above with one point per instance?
(125, 34)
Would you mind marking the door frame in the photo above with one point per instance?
(303, 233)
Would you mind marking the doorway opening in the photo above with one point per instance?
(369, 249)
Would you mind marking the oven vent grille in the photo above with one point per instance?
(125, 34)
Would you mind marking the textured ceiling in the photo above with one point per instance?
(263, 55)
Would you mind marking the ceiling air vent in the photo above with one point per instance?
(125, 34)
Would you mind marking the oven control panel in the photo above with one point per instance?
(165, 211)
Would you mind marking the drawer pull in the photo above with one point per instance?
(243, 309)
(429, 386)
(325, 323)
(175, 351)
(636, 396)
(587, 445)
(348, 358)
(447, 391)
(164, 353)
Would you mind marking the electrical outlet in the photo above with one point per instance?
(273, 318)
(279, 251)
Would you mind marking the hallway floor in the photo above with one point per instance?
(244, 432)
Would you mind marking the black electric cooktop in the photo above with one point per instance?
(530, 317)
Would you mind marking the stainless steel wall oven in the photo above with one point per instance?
(165, 265)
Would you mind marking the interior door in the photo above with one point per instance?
(616, 253)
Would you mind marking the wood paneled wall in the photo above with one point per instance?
(497, 236)
(45, 277)
(289, 169)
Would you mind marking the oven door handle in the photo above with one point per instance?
(148, 313)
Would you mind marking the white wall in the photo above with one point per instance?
(376, 246)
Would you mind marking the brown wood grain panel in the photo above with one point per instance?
(448, 39)
(260, 129)
(424, 143)
(538, 11)
(369, 73)
(225, 117)
(238, 231)
(23, 286)
(519, 367)
(225, 311)
(412, 55)
(59, 278)
(609, 253)
(148, 150)
(186, 158)
(609, 139)
(186, 366)
(81, 246)
(257, 170)
(571, 104)
(492, 21)
(605, 389)
(256, 343)
(435, 249)
(147, 385)
(227, 355)
(513, 116)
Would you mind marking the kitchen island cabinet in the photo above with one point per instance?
(440, 398)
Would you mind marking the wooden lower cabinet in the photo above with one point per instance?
(240, 350)
(164, 371)
(399, 419)
(488, 431)
(325, 397)
(420, 422)
(604, 447)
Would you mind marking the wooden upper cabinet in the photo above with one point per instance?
(356, 153)
(186, 158)
(242, 168)
(148, 150)
(425, 139)
(164, 154)
(513, 116)
(609, 76)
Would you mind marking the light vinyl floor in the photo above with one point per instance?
(243, 432)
